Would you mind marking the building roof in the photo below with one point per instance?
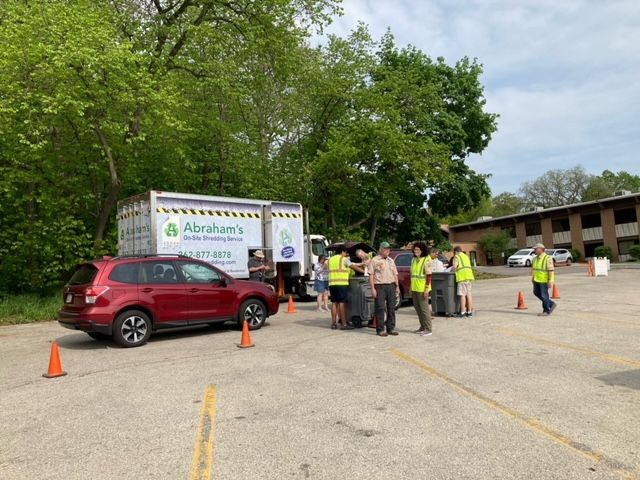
(551, 209)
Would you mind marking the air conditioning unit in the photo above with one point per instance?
(537, 209)
(621, 193)
(483, 218)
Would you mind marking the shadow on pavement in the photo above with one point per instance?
(629, 379)
(82, 341)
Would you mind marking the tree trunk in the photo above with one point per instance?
(374, 229)
(112, 198)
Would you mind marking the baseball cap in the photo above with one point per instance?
(385, 245)
(539, 245)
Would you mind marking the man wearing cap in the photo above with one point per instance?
(385, 288)
(257, 266)
(543, 276)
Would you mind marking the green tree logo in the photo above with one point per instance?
(286, 238)
(171, 230)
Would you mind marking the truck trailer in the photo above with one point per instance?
(223, 231)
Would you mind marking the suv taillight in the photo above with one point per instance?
(91, 294)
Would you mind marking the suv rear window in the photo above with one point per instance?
(125, 273)
(84, 274)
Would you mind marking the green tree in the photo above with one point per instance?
(494, 243)
(556, 187)
(506, 203)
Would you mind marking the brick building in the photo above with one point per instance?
(612, 222)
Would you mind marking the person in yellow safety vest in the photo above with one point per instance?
(339, 267)
(543, 277)
(421, 286)
(461, 265)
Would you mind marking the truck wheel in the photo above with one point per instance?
(301, 291)
(132, 328)
(254, 312)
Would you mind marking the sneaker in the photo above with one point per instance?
(394, 333)
(544, 314)
(383, 334)
(420, 331)
(320, 310)
(553, 307)
(468, 314)
(458, 315)
(347, 327)
(426, 333)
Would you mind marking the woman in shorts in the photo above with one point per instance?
(321, 285)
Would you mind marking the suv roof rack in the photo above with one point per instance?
(147, 255)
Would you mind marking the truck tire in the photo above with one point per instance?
(301, 291)
(132, 329)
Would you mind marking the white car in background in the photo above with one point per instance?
(522, 258)
(560, 255)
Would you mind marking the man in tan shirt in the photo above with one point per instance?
(385, 288)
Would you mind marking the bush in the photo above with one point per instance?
(603, 252)
(634, 251)
(575, 255)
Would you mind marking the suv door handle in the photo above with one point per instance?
(194, 290)
(147, 290)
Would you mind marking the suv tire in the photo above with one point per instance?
(527, 263)
(132, 328)
(254, 312)
(569, 260)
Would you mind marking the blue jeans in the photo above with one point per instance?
(541, 290)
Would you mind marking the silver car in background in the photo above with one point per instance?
(560, 255)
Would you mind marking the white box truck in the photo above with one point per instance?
(223, 231)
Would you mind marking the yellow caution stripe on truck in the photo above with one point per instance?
(286, 215)
(210, 213)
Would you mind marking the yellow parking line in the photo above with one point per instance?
(202, 466)
(601, 318)
(587, 351)
(530, 423)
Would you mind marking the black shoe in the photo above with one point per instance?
(552, 308)
(394, 333)
(346, 327)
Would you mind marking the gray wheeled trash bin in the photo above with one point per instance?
(444, 298)
(359, 301)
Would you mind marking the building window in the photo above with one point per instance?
(625, 215)
(625, 245)
(560, 225)
(533, 229)
(591, 220)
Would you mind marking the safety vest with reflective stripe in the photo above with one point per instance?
(418, 277)
(338, 273)
(464, 273)
(541, 268)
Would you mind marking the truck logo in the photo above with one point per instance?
(171, 230)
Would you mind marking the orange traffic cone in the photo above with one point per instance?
(292, 307)
(246, 338)
(55, 366)
(521, 305)
(556, 293)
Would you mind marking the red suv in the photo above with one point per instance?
(403, 265)
(129, 297)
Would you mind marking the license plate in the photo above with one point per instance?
(69, 298)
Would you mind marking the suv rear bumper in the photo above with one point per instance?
(74, 322)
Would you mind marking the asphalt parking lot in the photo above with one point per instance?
(504, 395)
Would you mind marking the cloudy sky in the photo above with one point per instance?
(564, 75)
